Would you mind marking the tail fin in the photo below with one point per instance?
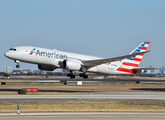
(133, 62)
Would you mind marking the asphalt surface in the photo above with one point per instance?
(83, 116)
(105, 96)
(90, 96)
(84, 80)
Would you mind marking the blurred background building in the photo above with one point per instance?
(8, 70)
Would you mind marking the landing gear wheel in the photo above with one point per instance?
(81, 75)
(17, 66)
(68, 75)
(71, 76)
(85, 76)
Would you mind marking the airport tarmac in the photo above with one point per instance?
(106, 96)
(84, 116)
(132, 93)
(136, 93)
(84, 88)
(116, 80)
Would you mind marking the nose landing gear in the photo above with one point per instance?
(17, 66)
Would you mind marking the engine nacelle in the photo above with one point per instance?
(71, 65)
(46, 67)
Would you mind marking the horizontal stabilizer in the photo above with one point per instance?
(145, 68)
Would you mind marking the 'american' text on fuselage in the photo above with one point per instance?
(51, 55)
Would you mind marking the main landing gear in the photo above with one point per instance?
(84, 72)
(83, 75)
(17, 66)
(71, 75)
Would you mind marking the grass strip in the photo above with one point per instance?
(80, 106)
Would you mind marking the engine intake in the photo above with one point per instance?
(71, 65)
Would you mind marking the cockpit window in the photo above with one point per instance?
(13, 49)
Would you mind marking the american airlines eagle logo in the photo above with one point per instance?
(31, 52)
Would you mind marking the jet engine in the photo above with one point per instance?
(46, 67)
(71, 65)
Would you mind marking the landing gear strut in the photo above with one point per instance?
(17, 66)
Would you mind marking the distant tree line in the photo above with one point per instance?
(4, 74)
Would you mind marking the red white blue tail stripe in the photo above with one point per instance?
(133, 62)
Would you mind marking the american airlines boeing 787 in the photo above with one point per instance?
(48, 59)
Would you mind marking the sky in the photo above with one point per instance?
(102, 28)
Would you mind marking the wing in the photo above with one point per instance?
(92, 63)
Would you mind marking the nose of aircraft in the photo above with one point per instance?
(7, 54)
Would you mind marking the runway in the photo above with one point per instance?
(84, 116)
(105, 96)
(118, 80)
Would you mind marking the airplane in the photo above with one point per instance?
(51, 59)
